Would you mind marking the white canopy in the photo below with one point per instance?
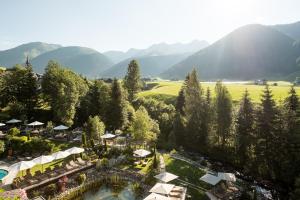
(75, 150)
(108, 136)
(60, 128)
(1, 124)
(60, 155)
(227, 176)
(141, 153)
(154, 196)
(13, 121)
(35, 123)
(43, 159)
(22, 165)
(162, 188)
(211, 179)
(166, 177)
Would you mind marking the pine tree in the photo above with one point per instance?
(223, 106)
(292, 136)
(194, 113)
(266, 127)
(180, 103)
(117, 110)
(132, 80)
(244, 129)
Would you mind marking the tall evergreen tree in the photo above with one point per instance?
(132, 80)
(117, 114)
(194, 112)
(244, 130)
(223, 106)
(292, 137)
(266, 127)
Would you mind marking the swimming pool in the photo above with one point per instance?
(3, 173)
(107, 193)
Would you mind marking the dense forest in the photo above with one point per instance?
(261, 140)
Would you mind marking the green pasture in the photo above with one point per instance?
(236, 89)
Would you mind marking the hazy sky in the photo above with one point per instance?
(122, 24)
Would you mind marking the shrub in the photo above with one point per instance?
(173, 152)
(104, 163)
(81, 178)
(203, 163)
(50, 190)
(2, 147)
(137, 189)
(13, 132)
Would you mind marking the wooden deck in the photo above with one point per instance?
(54, 179)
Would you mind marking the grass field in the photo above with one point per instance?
(187, 173)
(236, 89)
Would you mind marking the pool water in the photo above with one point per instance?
(3, 173)
(106, 193)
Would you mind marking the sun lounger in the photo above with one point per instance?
(72, 163)
(177, 189)
(176, 195)
(81, 162)
(69, 167)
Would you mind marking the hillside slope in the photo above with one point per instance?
(149, 65)
(18, 54)
(85, 61)
(250, 52)
(161, 49)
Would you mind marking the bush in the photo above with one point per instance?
(50, 190)
(104, 163)
(2, 147)
(137, 189)
(173, 152)
(13, 132)
(81, 178)
(203, 163)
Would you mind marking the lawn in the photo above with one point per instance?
(187, 173)
(171, 88)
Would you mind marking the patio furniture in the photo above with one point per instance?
(69, 167)
(72, 163)
(81, 162)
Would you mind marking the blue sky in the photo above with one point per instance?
(123, 24)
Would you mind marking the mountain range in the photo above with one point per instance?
(250, 52)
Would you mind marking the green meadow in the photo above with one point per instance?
(236, 89)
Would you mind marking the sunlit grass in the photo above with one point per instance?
(236, 89)
(187, 173)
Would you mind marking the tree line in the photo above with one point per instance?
(261, 140)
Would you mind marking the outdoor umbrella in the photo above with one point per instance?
(13, 121)
(162, 188)
(210, 179)
(60, 128)
(22, 165)
(74, 150)
(166, 177)
(43, 160)
(141, 153)
(60, 155)
(154, 196)
(1, 124)
(227, 176)
(108, 136)
(35, 123)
